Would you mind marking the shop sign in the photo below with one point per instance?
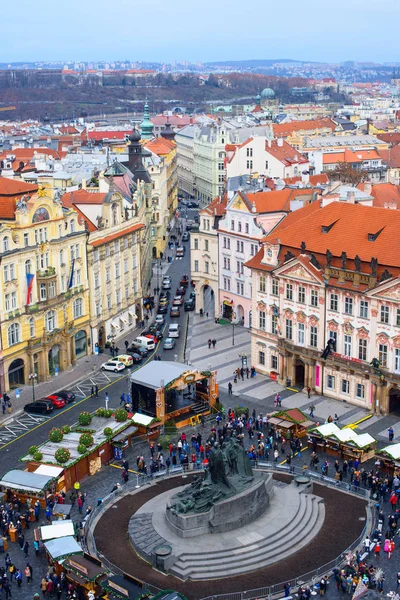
(118, 588)
(190, 378)
(78, 567)
(347, 358)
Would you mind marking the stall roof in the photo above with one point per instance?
(327, 429)
(62, 509)
(142, 419)
(120, 437)
(24, 480)
(62, 547)
(121, 587)
(49, 470)
(292, 414)
(84, 567)
(393, 451)
(158, 374)
(362, 440)
(344, 435)
(58, 530)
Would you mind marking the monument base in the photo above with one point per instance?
(226, 515)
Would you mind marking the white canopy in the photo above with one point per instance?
(363, 440)
(49, 470)
(142, 419)
(393, 450)
(62, 547)
(58, 530)
(344, 435)
(327, 429)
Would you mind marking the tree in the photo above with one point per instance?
(345, 173)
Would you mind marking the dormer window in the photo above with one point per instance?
(6, 244)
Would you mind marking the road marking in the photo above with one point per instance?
(356, 423)
(292, 390)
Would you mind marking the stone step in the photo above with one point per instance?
(256, 555)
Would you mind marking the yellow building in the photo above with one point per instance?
(44, 305)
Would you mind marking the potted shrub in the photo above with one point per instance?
(100, 412)
(32, 450)
(56, 435)
(121, 415)
(85, 418)
(86, 439)
(66, 429)
(108, 431)
(62, 455)
(82, 449)
(38, 456)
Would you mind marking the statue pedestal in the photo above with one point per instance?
(233, 512)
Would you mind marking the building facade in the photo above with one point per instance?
(326, 314)
(44, 308)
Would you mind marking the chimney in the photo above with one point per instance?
(269, 143)
(280, 142)
(368, 188)
(351, 197)
(253, 208)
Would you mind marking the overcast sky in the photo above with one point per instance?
(208, 30)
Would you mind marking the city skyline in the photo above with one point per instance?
(164, 33)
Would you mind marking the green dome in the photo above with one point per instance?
(146, 126)
(267, 94)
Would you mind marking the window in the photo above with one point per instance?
(108, 275)
(227, 263)
(206, 245)
(302, 294)
(196, 244)
(246, 227)
(274, 362)
(108, 251)
(28, 267)
(232, 225)
(383, 354)
(125, 243)
(274, 324)
(207, 266)
(348, 305)
(221, 178)
(117, 269)
(116, 246)
(345, 386)
(52, 289)
(262, 320)
(275, 287)
(384, 314)
(253, 249)
(239, 288)
(109, 301)
(397, 360)
(126, 292)
(118, 296)
(13, 334)
(78, 308)
(334, 302)
(362, 349)
(261, 357)
(330, 382)
(300, 334)
(398, 317)
(313, 337)
(196, 265)
(314, 298)
(72, 253)
(220, 166)
(249, 152)
(289, 329)
(266, 165)
(126, 265)
(78, 277)
(43, 291)
(360, 391)
(263, 283)
(10, 301)
(96, 256)
(363, 309)
(227, 284)
(26, 239)
(72, 226)
(289, 291)
(347, 345)
(31, 328)
(50, 320)
(98, 308)
(6, 244)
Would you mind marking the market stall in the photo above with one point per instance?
(59, 549)
(24, 485)
(389, 458)
(122, 441)
(292, 421)
(57, 530)
(62, 511)
(124, 587)
(344, 443)
(85, 571)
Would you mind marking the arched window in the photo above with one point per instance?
(32, 327)
(78, 308)
(28, 267)
(6, 244)
(61, 257)
(50, 320)
(72, 226)
(13, 334)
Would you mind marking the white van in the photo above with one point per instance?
(145, 342)
(173, 330)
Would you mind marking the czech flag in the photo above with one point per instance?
(29, 283)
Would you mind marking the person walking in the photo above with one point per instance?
(18, 577)
(7, 588)
(391, 434)
(92, 391)
(309, 392)
(276, 456)
(312, 408)
(26, 549)
(96, 390)
(214, 342)
(209, 343)
(43, 586)
(122, 399)
(28, 573)
(230, 388)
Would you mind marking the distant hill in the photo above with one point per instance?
(253, 63)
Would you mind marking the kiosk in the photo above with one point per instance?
(389, 457)
(344, 443)
(85, 571)
(292, 420)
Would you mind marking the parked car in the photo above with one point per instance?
(144, 342)
(174, 330)
(165, 294)
(126, 359)
(177, 301)
(189, 305)
(185, 237)
(152, 337)
(42, 407)
(192, 296)
(113, 365)
(135, 349)
(175, 311)
(162, 309)
(181, 290)
(136, 357)
(160, 319)
(163, 300)
(184, 280)
(169, 343)
(192, 204)
(56, 400)
(166, 279)
(67, 395)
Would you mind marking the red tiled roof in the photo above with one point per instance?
(217, 207)
(286, 129)
(389, 138)
(316, 180)
(160, 146)
(274, 201)
(16, 187)
(285, 153)
(345, 156)
(70, 199)
(105, 135)
(117, 235)
(391, 157)
(386, 195)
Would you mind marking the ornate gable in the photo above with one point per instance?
(297, 271)
(389, 291)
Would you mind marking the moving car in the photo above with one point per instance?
(180, 252)
(174, 330)
(181, 290)
(189, 305)
(175, 311)
(162, 309)
(160, 319)
(192, 204)
(144, 342)
(185, 237)
(184, 280)
(113, 365)
(165, 295)
(166, 285)
(169, 344)
(42, 407)
(163, 300)
(177, 301)
(156, 330)
(152, 337)
(126, 359)
(67, 395)
(56, 400)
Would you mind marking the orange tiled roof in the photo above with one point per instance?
(386, 195)
(274, 201)
(117, 235)
(316, 180)
(285, 153)
(70, 199)
(346, 156)
(390, 138)
(217, 207)
(391, 156)
(16, 187)
(286, 129)
(160, 146)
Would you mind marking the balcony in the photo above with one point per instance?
(49, 272)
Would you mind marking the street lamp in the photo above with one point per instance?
(32, 377)
(233, 328)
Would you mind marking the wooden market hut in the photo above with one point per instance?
(35, 484)
(124, 587)
(344, 443)
(59, 549)
(170, 390)
(389, 457)
(292, 421)
(86, 571)
(57, 529)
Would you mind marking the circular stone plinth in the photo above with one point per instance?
(290, 522)
(302, 480)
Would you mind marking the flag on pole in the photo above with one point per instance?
(71, 277)
(29, 283)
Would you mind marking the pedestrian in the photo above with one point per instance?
(391, 434)
(235, 377)
(367, 545)
(6, 588)
(26, 549)
(335, 418)
(126, 345)
(36, 547)
(214, 342)
(247, 372)
(18, 577)
(276, 456)
(377, 549)
(312, 408)
(43, 586)
(286, 587)
(242, 373)
(122, 399)
(92, 391)
(96, 390)
(309, 392)
(125, 476)
(21, 541)
(80, 504)
(209, 343)
(28, 573)
(230, 388)
(106, 400)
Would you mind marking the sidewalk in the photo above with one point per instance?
(85, 366)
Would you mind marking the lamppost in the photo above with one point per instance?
(32, 377)
(233, 328)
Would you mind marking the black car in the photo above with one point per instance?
(162, 309)
(138, 350)
(165, 294)
(189, 305)
(192, 204)
(67, 396)
(181, 290)
(185, 237)
(154, 330)
(42, 407)
(192, 296)
(137, 358)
